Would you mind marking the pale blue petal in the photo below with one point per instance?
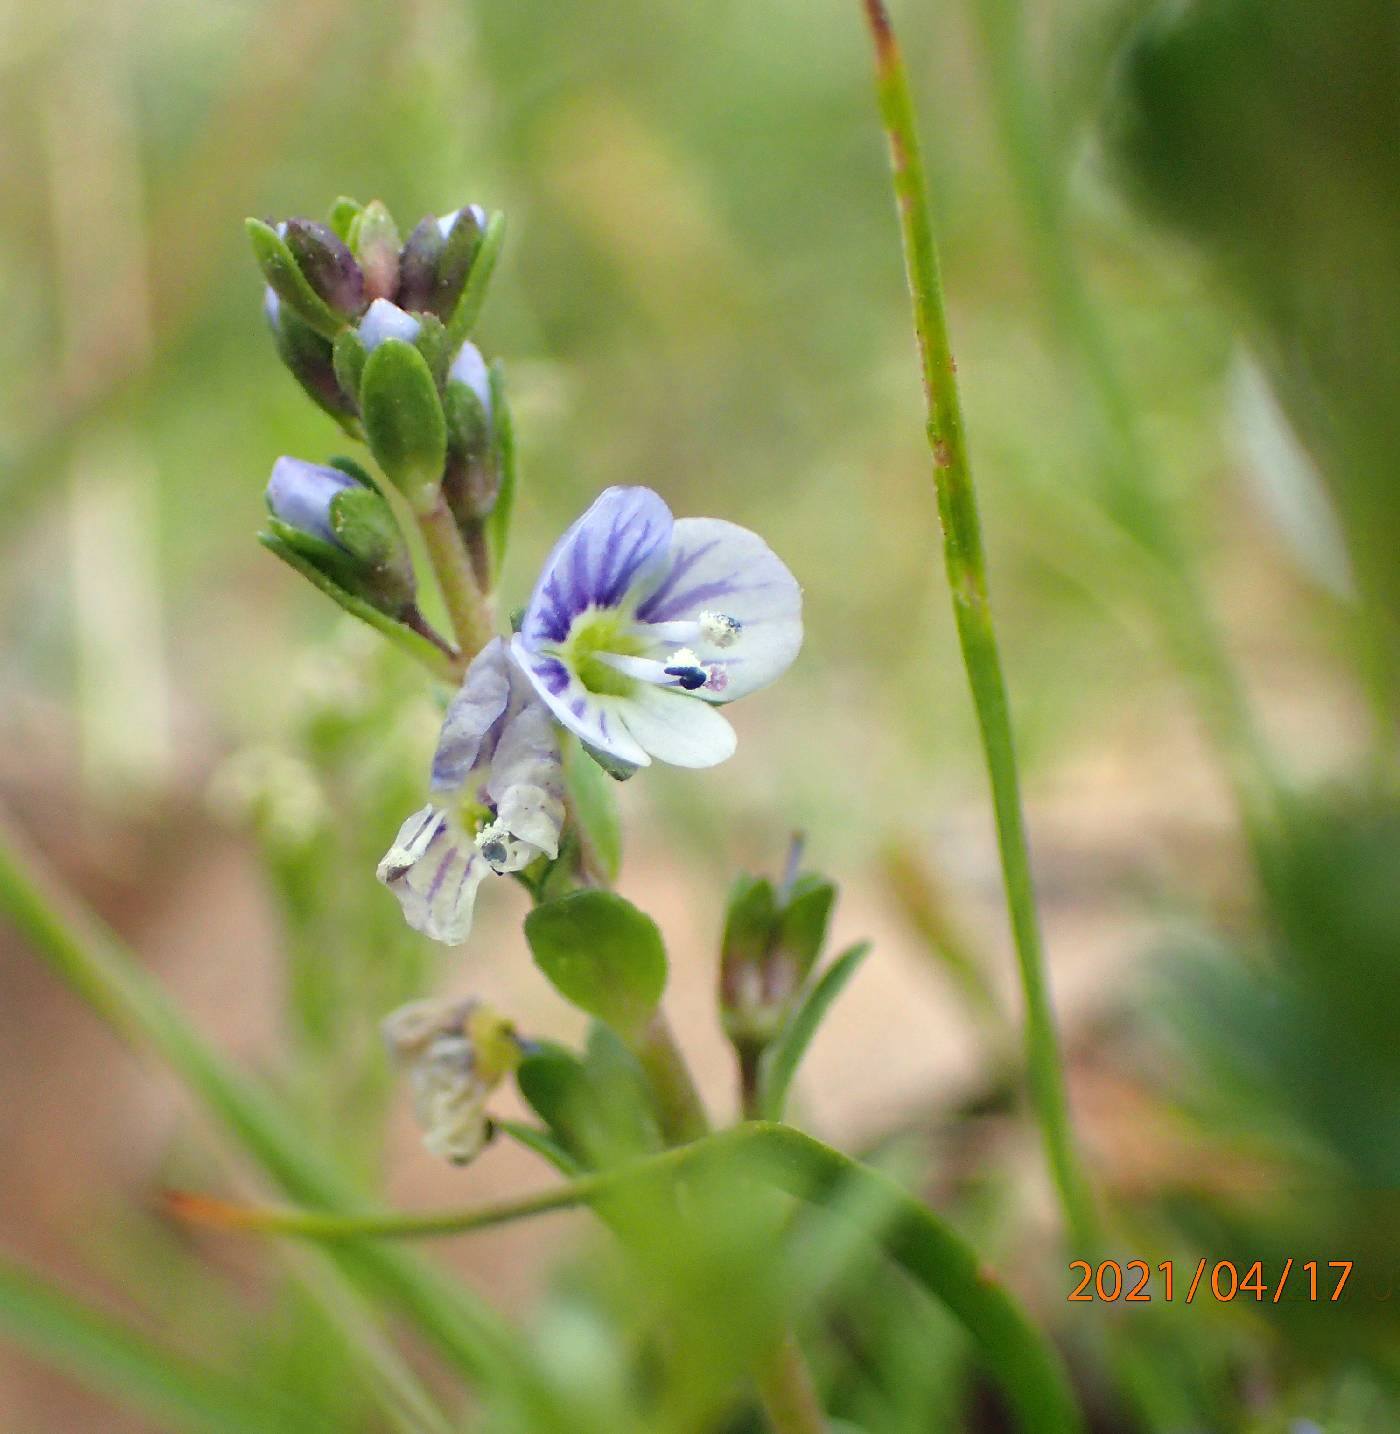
(617, 543)
(715, 566)
(299, 494)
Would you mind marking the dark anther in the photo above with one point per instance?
(689, 677)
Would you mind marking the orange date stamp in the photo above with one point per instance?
(1138, 1282)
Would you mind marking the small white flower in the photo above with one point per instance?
(640, 622)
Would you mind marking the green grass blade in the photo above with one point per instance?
(788, 1050)
(103, 1353)
(128, 999)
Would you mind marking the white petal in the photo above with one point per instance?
(434, 870)
(722, 568)
(675, 728)
(594, 718)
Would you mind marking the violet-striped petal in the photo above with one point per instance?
(617, 545)
(594, 717)
(434, 869)
(721, 568)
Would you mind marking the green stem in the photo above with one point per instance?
(110, 980)
(967, 579)
(679, 1107)
(469, 610)
(785, 1386)
(929, 1250)
(413, 635)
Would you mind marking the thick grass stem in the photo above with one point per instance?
(967, 578)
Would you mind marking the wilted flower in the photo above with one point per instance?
(498, 800)
(454, 1053)
(639, 622)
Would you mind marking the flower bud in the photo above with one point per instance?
(285, 278)
(437, 261)
(462, 233)
(309, 357)
(344, 529)
(772, 938)
(418, 265)
(328, 265)
(473, 477)
(374, 240)
(384, 320)
(454, 1053)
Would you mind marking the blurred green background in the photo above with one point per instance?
(702, 291)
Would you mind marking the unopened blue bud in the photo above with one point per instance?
(300, 494)
(470, 368)
(345, 529)
(384, 320)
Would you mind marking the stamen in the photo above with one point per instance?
(719, 629)
(502, 850)
(685, 667)
(688, 677)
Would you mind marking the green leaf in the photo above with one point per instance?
(787, 1051)
(404, 421)
(1015, 1350)
(468, 309)
(348, 356)
(344, 212)
(543, 1144)
(283, 274)
(503, 426)
(594, 804)
(602, 954)
(553, 1084)
(623, 1096)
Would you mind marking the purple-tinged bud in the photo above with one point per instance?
(308, 356)
(473, 477)
(328, 265)
(418, 266)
